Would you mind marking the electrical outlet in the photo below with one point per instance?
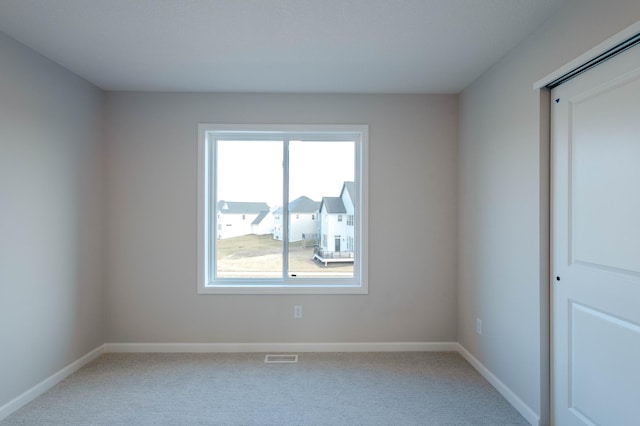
(297, 311)
(478, 326)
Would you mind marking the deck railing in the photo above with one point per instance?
(334, 254)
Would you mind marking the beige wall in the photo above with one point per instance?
(51, 180)
(494, 180)
(502, 252)
(151, 222)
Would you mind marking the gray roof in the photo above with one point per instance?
(241, 207)
(303, 205)
(261, 216)
(350, 187)
(333, 205)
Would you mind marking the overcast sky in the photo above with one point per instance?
(252, 170)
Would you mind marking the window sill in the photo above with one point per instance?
(283, 289)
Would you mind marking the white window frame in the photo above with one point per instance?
(286, 285)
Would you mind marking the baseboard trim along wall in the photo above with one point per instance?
(284, 347)
(56, 378)
(31, 394)
(504, 390)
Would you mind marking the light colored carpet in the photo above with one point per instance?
(413, 388)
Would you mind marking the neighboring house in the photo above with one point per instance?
(277, 224)
(337, 228)
(303, 220)
(263, 224)
(236, 218)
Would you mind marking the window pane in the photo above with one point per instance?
(249, 186)
(321, 190)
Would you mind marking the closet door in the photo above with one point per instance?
(596, 245)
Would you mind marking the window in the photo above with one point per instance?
(252, 176)
(350, 245)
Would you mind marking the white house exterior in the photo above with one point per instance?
(263, 224)
(303, 220)
(337, 230)
(236, 218)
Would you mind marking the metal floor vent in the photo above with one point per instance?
(280, 358)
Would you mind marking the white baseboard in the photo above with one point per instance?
(283, 347)
(504, 390)
(56, 378)
(48, 383)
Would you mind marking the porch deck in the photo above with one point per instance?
(333, 257)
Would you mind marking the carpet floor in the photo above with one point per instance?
(408, 388)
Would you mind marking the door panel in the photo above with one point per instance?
(604, 131)
(596, 245)
(600, 345)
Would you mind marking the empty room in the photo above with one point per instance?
(332, 212)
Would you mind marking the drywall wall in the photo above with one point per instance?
(151, 149)
(503, 225)
(51, 180)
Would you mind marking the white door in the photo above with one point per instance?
(596, 245)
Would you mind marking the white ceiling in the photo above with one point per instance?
(331, 46)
